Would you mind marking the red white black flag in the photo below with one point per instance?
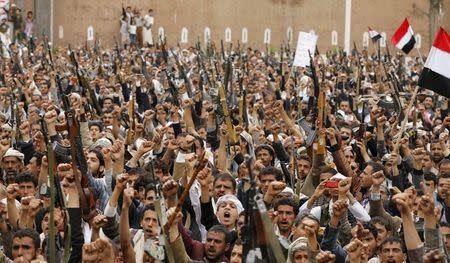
(403, 38)
(374, 35)
(436, 73)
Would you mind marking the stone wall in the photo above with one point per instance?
(322, 16)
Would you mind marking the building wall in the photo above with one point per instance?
(322, 16)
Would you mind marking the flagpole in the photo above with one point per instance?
(420, 55)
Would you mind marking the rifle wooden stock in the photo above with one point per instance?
(200, 165)
(320, 123)
(230, 127)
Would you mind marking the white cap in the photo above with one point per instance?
(14, 153)
(338, 176)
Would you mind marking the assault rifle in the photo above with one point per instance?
(160, 210)
(57, 199)
(47, 51)
(204, 74)
(119, 55)
(87, 202)
(316, 87)
(169, 74)
(259, 245)
(222, 50)
(182, 70)
(84, 84)
(145, 71)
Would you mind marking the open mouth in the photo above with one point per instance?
(211, 252)
(227, 215)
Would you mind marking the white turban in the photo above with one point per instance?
(232, 198)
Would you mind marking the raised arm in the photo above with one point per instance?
(413, 243)
(124, 229)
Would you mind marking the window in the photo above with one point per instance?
(228, 34)
(207, 34)
(184, 35)
(90, 33)
(61, 32)
(161, 33)
(267, 36)
(244, 35)
(366, 39)
(418, 38)
(334, 38)
(383, 39)
(289, 35)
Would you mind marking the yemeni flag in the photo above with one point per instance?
(374, 35)
(403, 38)
(436, 73)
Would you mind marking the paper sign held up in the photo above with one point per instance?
(306, 42)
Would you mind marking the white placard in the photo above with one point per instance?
(306, 42)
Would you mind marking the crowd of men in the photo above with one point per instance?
(220, 154)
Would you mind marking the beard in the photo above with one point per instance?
(437, 158)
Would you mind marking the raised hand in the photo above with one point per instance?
(344, 186)
(117, 150)
(339, 208)
(145, 147)
(426, 204)
(204, 177)
(320, 189)
(325, 257)
(12, 191)
(34, 207)
(178, 217)
(275, 188)
(377, 178)
(356, 251)
(50, 116)
(381, 121)
(434, 256)
(121, 181)
(99, 251)
(170, 189)
(128, 195)
(99, 221)
(403, 202)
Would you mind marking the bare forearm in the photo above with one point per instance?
(290, 124)
(113, 200)
(173, 233)
(95, 234)
(167, 157)
(204, 198)
(13, 213)
(124, 229)
(222, 156)
(118, 166)
(412, 239)
(43, 177)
